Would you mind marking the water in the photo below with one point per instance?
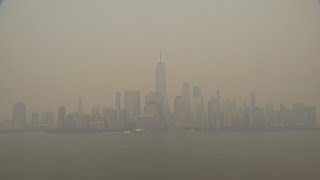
(163, 156)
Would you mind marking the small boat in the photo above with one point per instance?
(138, 130)
(127, 132)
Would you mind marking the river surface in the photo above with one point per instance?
(164, 156)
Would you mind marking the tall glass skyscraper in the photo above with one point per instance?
(161, 88)
(161, 79)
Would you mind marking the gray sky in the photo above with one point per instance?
(53, 51)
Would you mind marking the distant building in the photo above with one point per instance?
(161, 88)
(110, 116)
(252, 109)
(80, 105)
(286, 117)
(270, 115)
(98, 122)
(185, 93)
(61, 123)
(231, 113)
(123, 118)
(19, 115)
(197, 91)
(95, 111)
(109, 113)
(197, 107)
(118, 104)
(77, 121)
(34, 120)
(304, 116)
(72, 120)
(260, 122)
(47, 121)
(215, 115)
(213, 111)
(154, 107)
(180, 113)
(132, 104)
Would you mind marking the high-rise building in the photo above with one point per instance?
(118, 104)
(285, 117)
(213, 109)
(62, 117)
(123, 117)
(180, 113)
(252, 109)
(270, 115)
(80, 105)
(160, 87)
(154, 108)
(95, 111)
(19, 115)
(303, 116)
(231, 113)
(161, 79)
(215, 115)
(34, 119)
(220, 115)
(132, 104)
(153, 104)
(112, 119)
(109, 113)
(185, 93)
(47, 120)
(197, 107)
(196, 91)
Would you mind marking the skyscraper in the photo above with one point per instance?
(161, 89)
(19, 115)
(80, 105)
(270, 115)
(154, 107)
(252, 109)
(118, 104)
(34, 119)
(161, 79)
(196, 91)
(213, 113)
(61, 117)
(47, 120)
(185, 93)
(197, 107)
(180, 113)
(132, 104)
(219, 113)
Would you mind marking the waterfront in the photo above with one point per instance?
(162, 155)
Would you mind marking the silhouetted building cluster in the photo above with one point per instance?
(189, 113)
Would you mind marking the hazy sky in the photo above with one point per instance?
(52, 51)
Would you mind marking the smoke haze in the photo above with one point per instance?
(51, 52)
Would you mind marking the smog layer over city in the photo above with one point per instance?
(168, 90)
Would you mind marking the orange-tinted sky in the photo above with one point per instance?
(53, 51)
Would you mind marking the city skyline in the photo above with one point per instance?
(270, 48)
(188, 112)
(170, 89)
(191, 97)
